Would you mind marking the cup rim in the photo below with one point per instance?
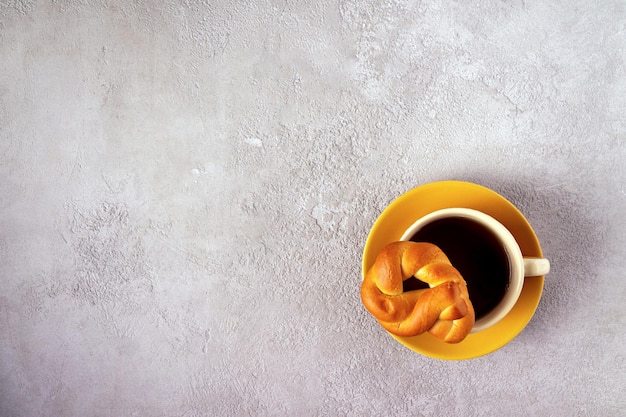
(511, 248)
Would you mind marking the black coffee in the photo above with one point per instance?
(476, 253)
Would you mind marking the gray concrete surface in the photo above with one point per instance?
(186, 189)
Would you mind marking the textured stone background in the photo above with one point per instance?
(186, 188)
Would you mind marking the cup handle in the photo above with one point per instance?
(534, 267)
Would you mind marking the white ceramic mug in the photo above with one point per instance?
(519, 266)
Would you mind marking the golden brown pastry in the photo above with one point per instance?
(444, 309)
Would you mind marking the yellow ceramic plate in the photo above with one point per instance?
(407, 208)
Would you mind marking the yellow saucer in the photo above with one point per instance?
(407, 208)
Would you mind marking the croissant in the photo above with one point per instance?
(444, 309)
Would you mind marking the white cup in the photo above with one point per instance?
(519, 266)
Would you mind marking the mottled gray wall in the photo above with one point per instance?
(186, 188)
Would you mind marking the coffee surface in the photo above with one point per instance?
(476, 253)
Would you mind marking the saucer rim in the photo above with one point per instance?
(455, 193)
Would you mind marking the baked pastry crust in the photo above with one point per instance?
(444, 309)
